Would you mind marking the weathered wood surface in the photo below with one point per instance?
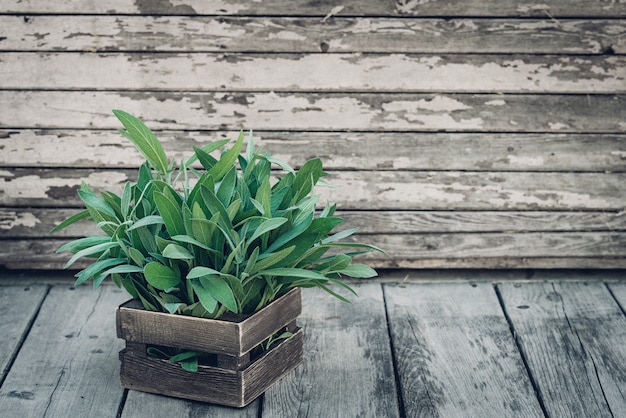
(444, 8)
(474, 134)
(37, 222)
(455, 353)
(18, 308)
(315, 72)
(311, 35)
(415, 349)
(317, 111)
(216, 385)
(346, 357)
(389, 190)
(570, 333)
(438, 250)
(340, 150)
(69, 359)
(134, 324)
(618, 290)
(141, 404)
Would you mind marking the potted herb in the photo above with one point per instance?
(214, 259)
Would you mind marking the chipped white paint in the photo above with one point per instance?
(498, 102)
(441, 104)
(313, 72)
(410, 6)
(12, 219)
(557, 126)
(22, 188)
(407, 114)
(285, 35)
(542, 198)
(530, 8)
(526, 161)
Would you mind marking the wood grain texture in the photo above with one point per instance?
(315, 72)
(452, 250)
(317, 112)
(141, 404)
(455, 354)
(444, 8)
(18, 309)
(481, 134)
(360, 190)
(571, 333)
(312, 35)
(37, 222)
(211, 384)
(339, 150)
(232, 337)
(618, 290)
(69, 360)
(347, 369)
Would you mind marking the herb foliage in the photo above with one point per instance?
(232, 236)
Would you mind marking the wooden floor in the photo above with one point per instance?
(468, 348)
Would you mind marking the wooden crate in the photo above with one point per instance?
(237, 377)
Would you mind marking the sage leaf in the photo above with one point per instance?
(177, 252)
(144, 140)
(160, 276)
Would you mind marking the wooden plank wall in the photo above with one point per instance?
(474, 134)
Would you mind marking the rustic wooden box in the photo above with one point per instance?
(236, 379)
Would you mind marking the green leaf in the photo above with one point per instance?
(189, 240)
(324, 226)
(220, 290)
(226, 189)
(160, 276)
(183, 356)
(129, 286)
(144, 140)
(148, 220)
(207, 149)
(137, 256)
(306, 178)
(93, 201)
(173, 307)
(96, 250)
(267, 226)
(295, 272)
(125, 201)
(263, 197)
(283, 165)
(359, 271)
(145, 238)
(96, 268)
(340, 235)
(339, 262)
(177, 252)
(126, 268)
(291, 233)
(115, 202)
(227, 160)
(198, 272)
(270, 260)
(190, 365)
(207, 300)
(171, 214)
(82, 243)
(205, 158)
(217, 209)
(71, 220)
